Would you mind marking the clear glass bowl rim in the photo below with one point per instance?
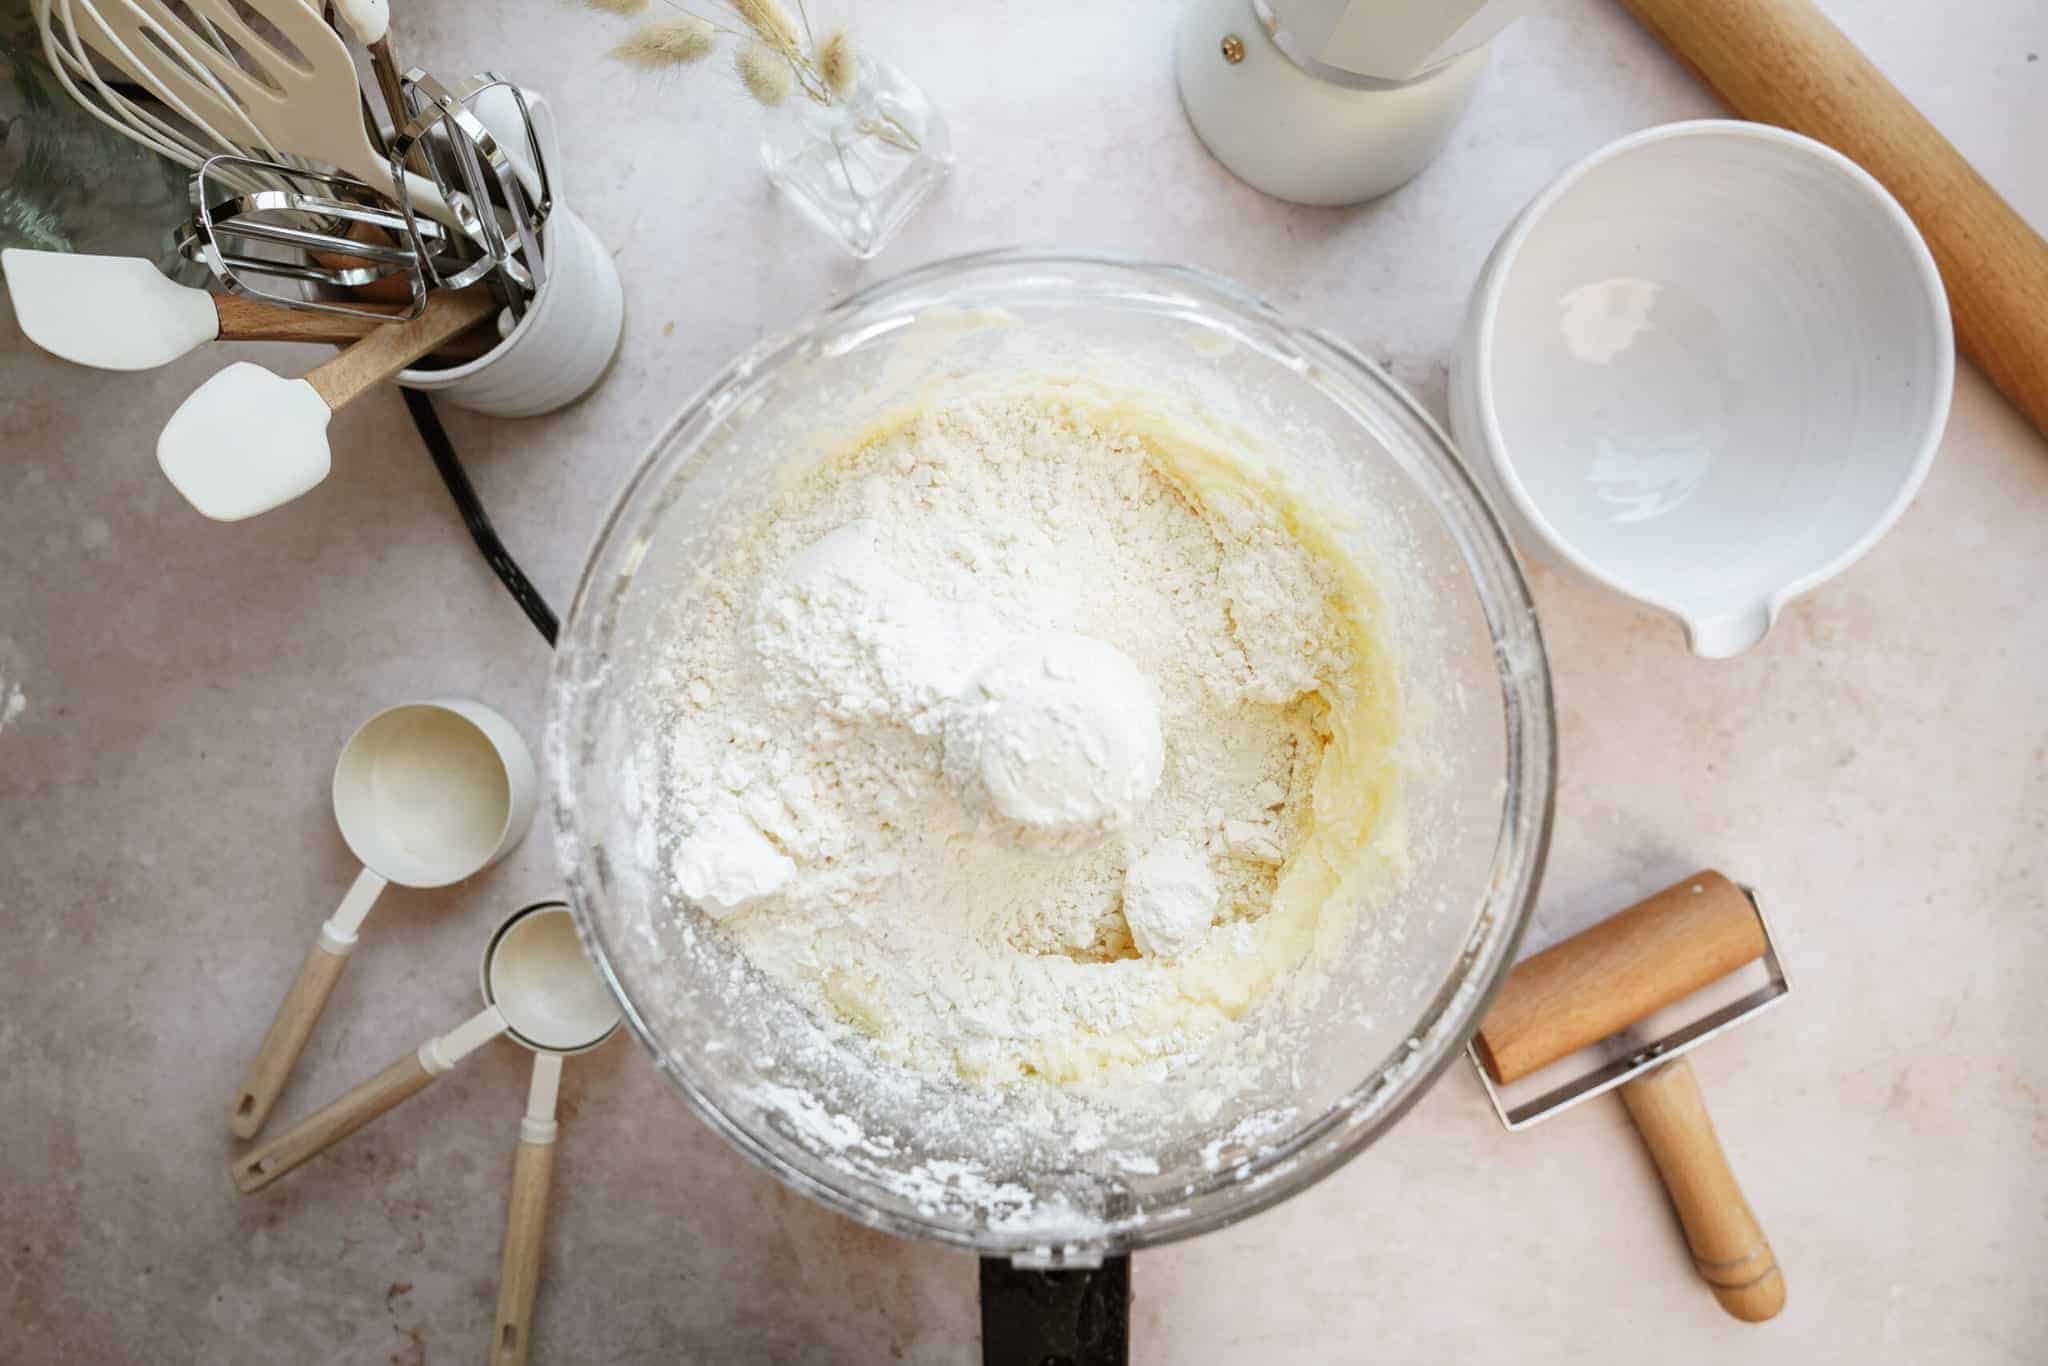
(1454, 1012)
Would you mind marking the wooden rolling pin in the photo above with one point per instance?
(1782, 62)
(1599, 983)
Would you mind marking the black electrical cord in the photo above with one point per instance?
(475, 518)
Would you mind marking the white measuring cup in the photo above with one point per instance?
(426, 794)
(538, 986)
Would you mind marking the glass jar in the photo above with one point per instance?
(860, 165)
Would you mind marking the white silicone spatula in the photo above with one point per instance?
(249, 440)
(114, 312)
(121, 313)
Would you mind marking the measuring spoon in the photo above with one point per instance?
(538, 986)
(426, 794)
(526, 1212)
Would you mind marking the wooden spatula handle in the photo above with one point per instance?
(254, 320)
(1728, 1245)
(1782, 62)
(332, 1123)
(388, 350)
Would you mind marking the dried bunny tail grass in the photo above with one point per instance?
(838, 63)
(771, 24)
(764, 72)
(618, 6)
(667, 42)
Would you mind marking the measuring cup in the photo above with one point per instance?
(538, 986)
(426, 794)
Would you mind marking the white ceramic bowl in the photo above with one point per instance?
(1708, 367)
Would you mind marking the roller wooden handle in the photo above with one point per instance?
(519, 1274)
(253, 320)
(1728, 1245)
(1597, 983)
(286, 1040)
(388, 350)
(322, 1130)
(1782, 62)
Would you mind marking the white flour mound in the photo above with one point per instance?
(987, 729)
(1055, 742)
(1170, 899)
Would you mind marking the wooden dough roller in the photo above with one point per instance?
(1597, 984)
(1782, 62)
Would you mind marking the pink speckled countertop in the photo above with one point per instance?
(166, 847)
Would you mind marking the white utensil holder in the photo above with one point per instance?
(560, 349)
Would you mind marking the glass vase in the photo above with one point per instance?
(860, 165)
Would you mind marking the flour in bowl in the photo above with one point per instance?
(1023, 739)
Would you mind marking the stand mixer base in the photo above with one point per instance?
(1076, 1317)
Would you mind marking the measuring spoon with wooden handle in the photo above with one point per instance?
(249, 440)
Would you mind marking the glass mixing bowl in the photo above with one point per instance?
(1039, 1181)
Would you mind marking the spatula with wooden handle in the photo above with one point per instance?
(122, 313)
(249, 440)
(1782, 62)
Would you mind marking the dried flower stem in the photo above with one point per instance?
(772, 25)
(888, 130)
(778, 54)
(838, 64)
(727, 29)
(764, 72)
(667, 42)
